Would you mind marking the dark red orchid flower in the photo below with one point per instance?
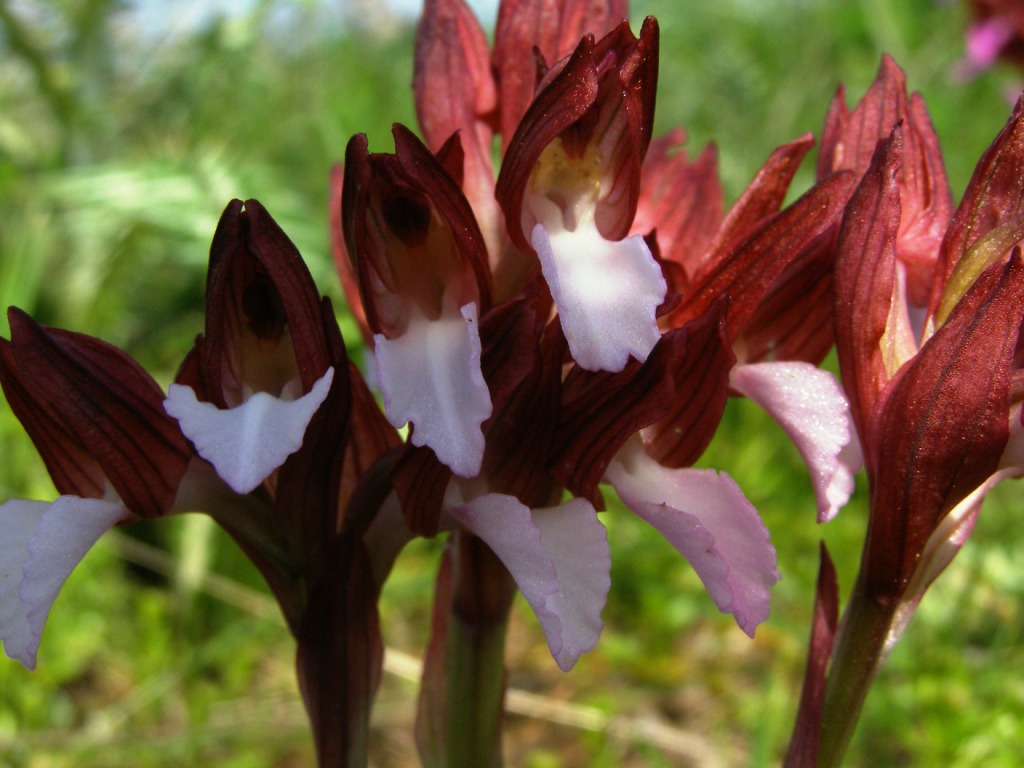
(424, 281)
(569, 187)
(97, 419)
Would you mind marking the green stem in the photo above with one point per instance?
(858, 655)
(463, 690)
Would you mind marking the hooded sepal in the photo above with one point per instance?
(40, 544)
(455, 93)
(264, 322)
(552, 28)
(424, 279)
(569, 189)
(95, 416)
(848, 142)
(271, 356)
(576, 156)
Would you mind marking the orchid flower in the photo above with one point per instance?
(569, 188)
(262, 370)
(269, 400)
(96, 419)
(424, 282)
(285, 437)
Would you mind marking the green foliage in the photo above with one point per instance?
(119, 149)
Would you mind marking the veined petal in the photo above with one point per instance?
(246, 443)
(606, 292)
(810, 406)
(40, 544)
(560, 559)
(706, 517)
(430, 376)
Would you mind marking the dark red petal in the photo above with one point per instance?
(943, 427)
(309, 483)
(355, 201)
(749, 271)
(626, 105)
(107, 404)
(700, 369)
(794, 320)
(864, 279)
(524, 372)
(420, 480)
(370, 435)
(601, 411)
(342, 261)
(72, 467)
(763, 197)
(681, 201)
(452, 79)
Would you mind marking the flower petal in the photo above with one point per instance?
(40, 544)
(246, 443)
(560, 559)
(430, 376)
(810, 406)
(606, 292)
(706, 517)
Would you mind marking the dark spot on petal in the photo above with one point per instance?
(407, 216)
(263, 308)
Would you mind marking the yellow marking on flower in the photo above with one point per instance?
(570, 182)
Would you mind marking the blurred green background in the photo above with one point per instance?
(125, 129)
